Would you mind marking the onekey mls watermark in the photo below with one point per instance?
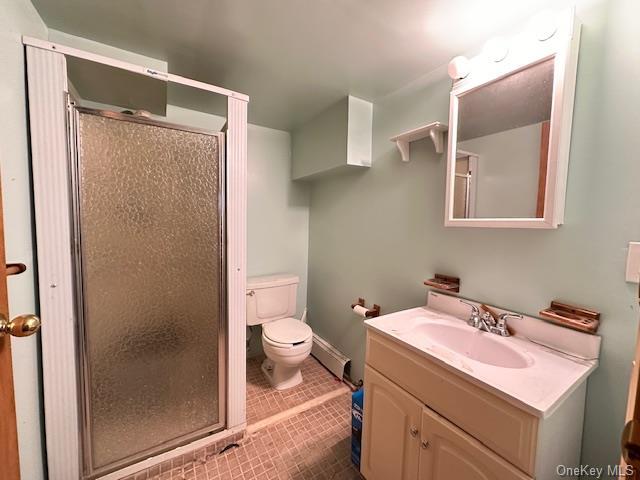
(591, 471)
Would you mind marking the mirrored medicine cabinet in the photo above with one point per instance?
(510, 130)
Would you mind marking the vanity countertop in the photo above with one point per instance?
(547, 378)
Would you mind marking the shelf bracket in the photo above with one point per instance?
(404, 148)
(437, 137)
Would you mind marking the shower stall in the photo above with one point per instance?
(141, 248)
(148, 209)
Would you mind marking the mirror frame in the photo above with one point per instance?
(525, 51)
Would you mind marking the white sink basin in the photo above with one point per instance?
(530, 376)
(480, 346)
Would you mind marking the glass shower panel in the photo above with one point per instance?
(149, 225)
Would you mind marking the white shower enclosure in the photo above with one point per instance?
(141, 248)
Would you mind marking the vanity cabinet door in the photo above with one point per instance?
(447, 452)
(391, 430)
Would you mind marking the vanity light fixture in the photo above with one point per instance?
(459, 67)
(496, 49)
(544, 25)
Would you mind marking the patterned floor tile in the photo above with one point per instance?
(313, 445)
(263, 401)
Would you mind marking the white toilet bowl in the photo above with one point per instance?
(271, 302)
(286, 343)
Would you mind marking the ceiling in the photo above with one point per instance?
(294, 57)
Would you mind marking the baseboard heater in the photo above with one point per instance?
(329, 356)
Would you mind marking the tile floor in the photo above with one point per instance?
(263, 401)
(313, 444)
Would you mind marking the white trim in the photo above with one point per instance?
(47, 84)
(131, 67)
(293, 411)
(563, 48)
(47, 78)
(205, 86)
(473, 184)
(93, 57)
(236, 260)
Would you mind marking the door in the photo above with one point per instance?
(19, 327)
(148, 203)
(630, 442)
(391, 430)
(447, 452)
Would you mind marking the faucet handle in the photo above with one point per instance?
(474, 310)
(474, 317)
(502, 318)
(501, 327)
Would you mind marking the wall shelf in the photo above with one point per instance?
(435, 131)
(446, 283)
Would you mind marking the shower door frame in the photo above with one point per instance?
(85, 413)
(51, 146)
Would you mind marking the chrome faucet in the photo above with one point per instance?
(487, 323)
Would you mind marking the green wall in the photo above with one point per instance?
(378, 234)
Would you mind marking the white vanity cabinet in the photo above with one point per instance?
(403, 439)
(391, 437)
(423, 421)
(448, 452)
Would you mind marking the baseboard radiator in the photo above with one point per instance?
(329, 356)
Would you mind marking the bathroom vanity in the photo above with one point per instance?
(445, 400)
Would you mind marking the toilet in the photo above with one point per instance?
(271, 302)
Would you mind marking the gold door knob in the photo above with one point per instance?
(21, 326)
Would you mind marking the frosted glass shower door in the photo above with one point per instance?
(149, 231)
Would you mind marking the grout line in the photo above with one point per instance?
(278, 417)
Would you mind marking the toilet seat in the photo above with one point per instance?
(286, 331)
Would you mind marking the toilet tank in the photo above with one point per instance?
(271, 297)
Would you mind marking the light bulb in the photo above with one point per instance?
(459, 67)
(496, 49)
(544, 25)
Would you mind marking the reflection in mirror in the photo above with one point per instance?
(502, 146)
(464, 201)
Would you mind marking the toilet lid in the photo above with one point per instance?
(287, 330)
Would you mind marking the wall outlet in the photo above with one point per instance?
(633, 263)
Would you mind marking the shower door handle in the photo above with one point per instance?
(21, 326)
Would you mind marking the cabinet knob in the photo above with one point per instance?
(413, 431)
(424, 444)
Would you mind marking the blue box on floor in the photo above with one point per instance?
(357, 402)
